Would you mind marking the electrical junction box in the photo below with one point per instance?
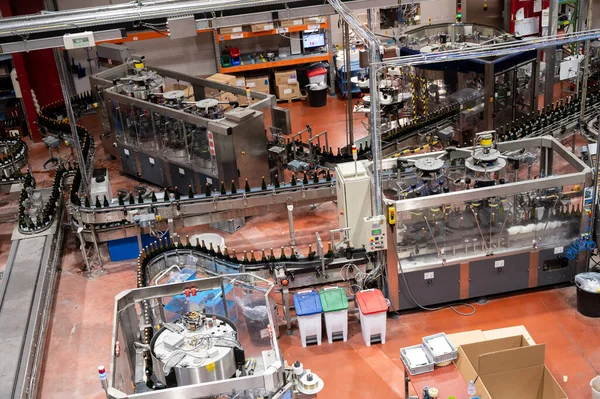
(180, 27)
(79, 40)
(354, 200)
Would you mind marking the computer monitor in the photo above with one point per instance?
(313, 40)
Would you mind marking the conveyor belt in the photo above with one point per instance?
(25, 298)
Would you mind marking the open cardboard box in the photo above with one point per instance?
(508, 368)
(468, 355)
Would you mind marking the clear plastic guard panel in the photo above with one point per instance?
(173, 137)
(202, 147)
(246, 300)
(530, 197)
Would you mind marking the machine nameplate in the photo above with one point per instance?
(559, 250)
(499, 263)
(429, 275)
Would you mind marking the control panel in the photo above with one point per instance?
(376, 231)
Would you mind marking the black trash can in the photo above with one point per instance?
(317, 95)
(588, 302)
(257, 321)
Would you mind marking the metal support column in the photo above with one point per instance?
(551, 55)
(374, 114)
(63, 72)
(332, 65)
(348, 68)
(290, 208)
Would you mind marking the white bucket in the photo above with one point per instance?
(595, 384)
(217, 240)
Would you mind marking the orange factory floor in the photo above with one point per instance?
(79, 335)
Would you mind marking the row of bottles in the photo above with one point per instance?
(422, 121)
(43, 218)
(12, 153)
(549, 115)
(175, 195)
(247, 258)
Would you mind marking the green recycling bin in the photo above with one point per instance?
(335, 307)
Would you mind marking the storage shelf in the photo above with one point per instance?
(146, 35)
(275, 64)
(276, 31)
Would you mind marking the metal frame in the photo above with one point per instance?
(271, 380)
(583, 175)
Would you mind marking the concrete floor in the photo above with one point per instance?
(79, 337)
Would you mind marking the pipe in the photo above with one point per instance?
(26, 25)
(491, 50)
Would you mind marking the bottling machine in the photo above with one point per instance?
(176, 130)
(473, 221)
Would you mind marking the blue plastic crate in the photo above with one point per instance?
(127, 248)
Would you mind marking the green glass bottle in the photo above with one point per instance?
(131, 199)
(207, 190)
(153, 197)
(105, 202)
(315, 177)
(87, 201)
(263, 185)
(328, 176)
(272, 256)
(223, 191)
(190, 192)
(233, 189)
(121, 202)
(98, 202)
(177, 195)
(165, 195)
(329, 253)
(282, 257)
(305, 179)
(247, 186)
(293, 257)
(140, 198)
(276, 182)
(293, 181)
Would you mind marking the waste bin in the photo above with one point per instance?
(317, 76)
(335, 308)
(317, 95)
(373, 312)
(588, 294)
(308, 309)
(254, 311)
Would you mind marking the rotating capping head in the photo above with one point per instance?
(485, 140)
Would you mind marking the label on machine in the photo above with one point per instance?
(559, 250)
(429, 275)
(499, 263)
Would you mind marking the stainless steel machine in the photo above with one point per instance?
(190, 135)
(493, 218)
(206, 338)
(474, 221)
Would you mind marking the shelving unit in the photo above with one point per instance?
(288, 61)
(275, 31)
(340, 79)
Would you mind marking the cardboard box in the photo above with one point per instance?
(222, 78)
(315, 20)
(285, 91)
(517, 373)
(468, 355)
(240, 82)
(230, 29)
(259, 84)
(509, 332)
(288, 77)
(287, 23)
(465, 337)
(262, 27)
